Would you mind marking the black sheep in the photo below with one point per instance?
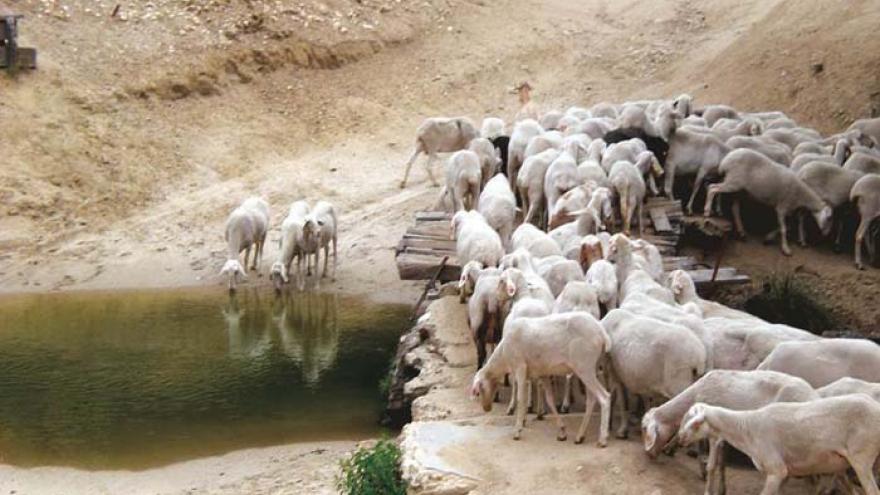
(655, 145)
(500, 144)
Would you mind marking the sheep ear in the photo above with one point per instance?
(650, 437)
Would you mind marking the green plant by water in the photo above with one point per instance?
(372, 471)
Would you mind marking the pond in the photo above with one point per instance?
(133, 380)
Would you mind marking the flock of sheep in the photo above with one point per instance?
(304, 233)
(580, 303)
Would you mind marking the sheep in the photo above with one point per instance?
(658, 146)
(833, 184)
(475, 239)
(550, 120)
(562, 175)
(547, 140)
(290, 244)
(863, 162)
(522, 283)
(865, 194)
(771, 184)
(490, 159)
(641, 283)
(530, 183)
(587, 221)
(604, 110)
(651, 357)
(535, 241)
(594, 128)
(792, 137)
(736, 390)
(620, 253)
(601, 275)
(743, 343)
(810, 147)
(558, 271)
(246, 226)
(869, 128)
(523, 131)
(578, 295)
(440, 135)
(464, 177)
(591, 171)
(840, 152)
(545, 346)
(491, 128)
(648, 258)
(484, 313)
(629, 186)
(470, 272)
(693, 152)
(626, 150)
(319, 230)
(848, 385)
(714, 112)
(578, 113)
(855, 358)
(498, 207)
(822, 436)
(574, 200)
(777, 152)
(684, 291)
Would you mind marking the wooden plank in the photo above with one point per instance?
(679, 263)
(441, 244)
(658, 218)
(432, 216)
(434, 229)
(422, 267)
(439, 253)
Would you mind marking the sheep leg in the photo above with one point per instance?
(698, 182)
(652, 185)
(641, 220)
(247, 255)
(511, 405)
(802, 233)
(783, 233)
(715, 447)
(838, 239)
(722, 469)
(596, 390)
(551, 401)
(669, 179)
(428, 165)
(536, 399)
(865, 474)
(737, 219)
(521, 377)
(774, 481)
(566, 395)
(409, 165)
(860, 237)
(334, 258)
(625, 213)
(326, 258)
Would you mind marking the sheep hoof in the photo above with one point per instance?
(579, 440)
(516, 436)
(622, 435)
(562, 437)
(564, 409)
(402, 185)
(786, 252)
(540, 417)
(602, 444)
(860, 266)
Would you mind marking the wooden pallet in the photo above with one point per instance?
(428, 241)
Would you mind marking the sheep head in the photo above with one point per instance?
(483, 388)
(619, 248)
(823, 219)
(655, 434)
(278, 275)
(694, 425)
(682, 285)
(234, 270)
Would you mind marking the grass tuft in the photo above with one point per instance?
(372, 471)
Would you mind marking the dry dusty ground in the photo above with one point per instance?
(124, 152)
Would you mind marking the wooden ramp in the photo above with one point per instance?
(428, 241)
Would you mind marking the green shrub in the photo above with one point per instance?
(786, 299)
(372, 471)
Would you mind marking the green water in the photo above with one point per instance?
(139, 379)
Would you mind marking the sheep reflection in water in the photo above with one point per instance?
(308, 331)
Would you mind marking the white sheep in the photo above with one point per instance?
(629, 186)
(463, 180)
(848, 385)
(651, 357)
(838, 157)
(550, 119)
(562, 175)
(869, 128)
(693, 152)
(627, 150)
(771, 184)
(833, 184)
(868, 163)
(648, 258)
(485, 313)
(601, 275)
(736, 390)
(523, 132)
(490, 157)
(683, 289)
(319, 231)
(549, 346)
(742, 343)
(589, 220)
(498, 207)
(773, 150)
(558, 271)
(492, 127)
(534, 240)
(530, 183)
(246, 226)
(822, 436)
(856, 358)
(475, 240)
(573, 200)
(793, 136)
(714, 112)
(866, 196)
(290, 244)
(470, 272)
(440, 135)
(578, 296)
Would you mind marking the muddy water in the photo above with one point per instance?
(138, 379)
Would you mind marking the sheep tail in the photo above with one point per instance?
(606, 338)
